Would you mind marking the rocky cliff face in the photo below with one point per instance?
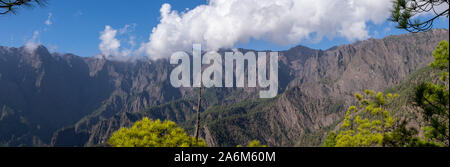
(45, 92)
(322, 88)
(66, 100)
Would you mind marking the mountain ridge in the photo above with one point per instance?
(315, 85)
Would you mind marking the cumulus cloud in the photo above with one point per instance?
(224, 23)
(109, 45)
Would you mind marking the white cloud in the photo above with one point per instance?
(224, 23)
(109, 45)
(33, 43)
(48, 22)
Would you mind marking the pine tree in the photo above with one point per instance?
(371, 124)
(405, 12)
(433, 98)
(366, 124)
(148, 133)
(330, 140)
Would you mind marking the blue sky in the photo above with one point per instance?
(76, 25)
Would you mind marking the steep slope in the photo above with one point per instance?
(403, 107)
(42, 92)
(319, 86)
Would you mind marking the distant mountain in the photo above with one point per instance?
(65, 100)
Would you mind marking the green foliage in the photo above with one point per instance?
(441, 60)
(403, 12)
(402, 136)
(148, 133)
(370, 124)
(433, 99)
(366, 124)
(330, 140)
(254, 143)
